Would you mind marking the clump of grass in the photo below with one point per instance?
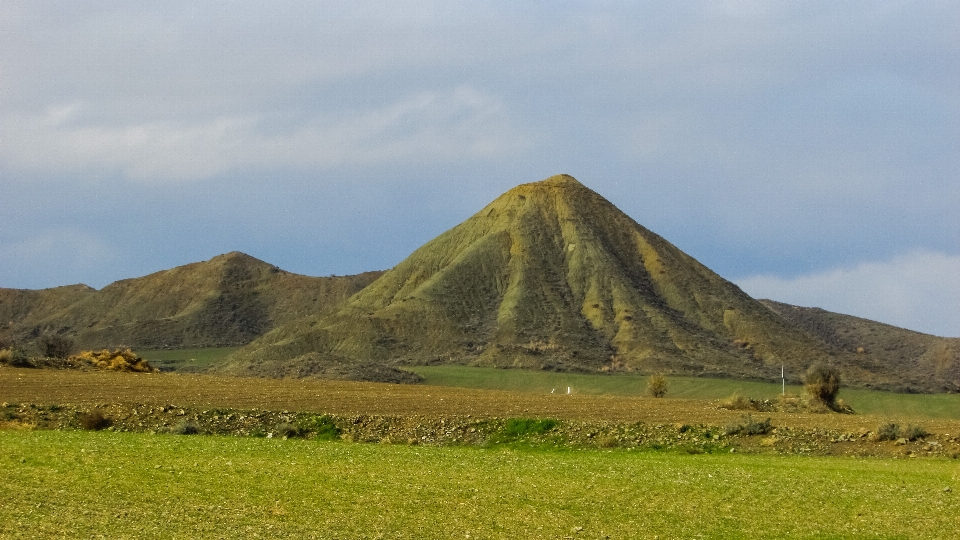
(736, 402)
(608, 441)
(286, 430)
(913, 433)
(185, 427)
(657, 385)
(518, 429)
(888, 432)
(893, 432)
(323, 427)
(523, 427)
(748, 426)
(94, 421)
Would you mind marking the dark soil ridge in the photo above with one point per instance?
(458, 430)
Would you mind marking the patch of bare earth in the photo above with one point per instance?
(402, 404)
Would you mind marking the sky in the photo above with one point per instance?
(808, 151)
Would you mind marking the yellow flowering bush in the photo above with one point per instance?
(115, 360)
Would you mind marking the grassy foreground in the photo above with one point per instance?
(83, 484)
(874, 402)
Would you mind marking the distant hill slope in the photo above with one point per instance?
(228, 300)
(552, 276)
(925, 362)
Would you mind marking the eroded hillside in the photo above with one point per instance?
(228, 300)
(551, 276)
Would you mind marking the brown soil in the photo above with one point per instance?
(385, 412)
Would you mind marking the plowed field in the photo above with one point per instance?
(352, 398)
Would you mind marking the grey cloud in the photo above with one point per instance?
(781, 138)
(458, 124)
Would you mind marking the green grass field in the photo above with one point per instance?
(122, 485)
(186, 359)
(938, 406)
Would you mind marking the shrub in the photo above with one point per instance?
(94, 421)
(913, 433)
(888, 432)
(15, 356)
(115, 360)
(185, 427)
(657, 385)
(56, 346)
(748, 426)
(287, 430)
(323, 427)
(736, 402)
(823, 383)
(518, 428)
(608, 441)
(893, 432)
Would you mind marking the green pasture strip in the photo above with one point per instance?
(938, 406)
(122, 485)
(619, 385)
(186, 359)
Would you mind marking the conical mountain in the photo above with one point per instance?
(550, 275)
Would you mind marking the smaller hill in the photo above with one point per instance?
(924, 362)
(229, 300)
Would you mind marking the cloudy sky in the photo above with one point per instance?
(808, 151)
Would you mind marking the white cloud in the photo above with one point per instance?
(426, 128)
(919, 291)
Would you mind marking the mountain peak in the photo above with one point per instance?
(561, 180)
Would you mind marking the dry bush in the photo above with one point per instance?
(913, 433)
(94, 421)
(748, 426)
(287, 430)
(823, 383)
(56, 346)
(736, 402)
(608, 441)
(185, 427)
(657, 385)
(15, 356)
(115, 360)
(892, 432)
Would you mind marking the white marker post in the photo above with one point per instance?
(783, 380)
(568, 389)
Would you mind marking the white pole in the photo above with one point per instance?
(568, 389)
(783, 380)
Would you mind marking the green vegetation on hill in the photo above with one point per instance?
(928, 363)
(548, 276)
(226, 301)
(551, 276)
(83, 484)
